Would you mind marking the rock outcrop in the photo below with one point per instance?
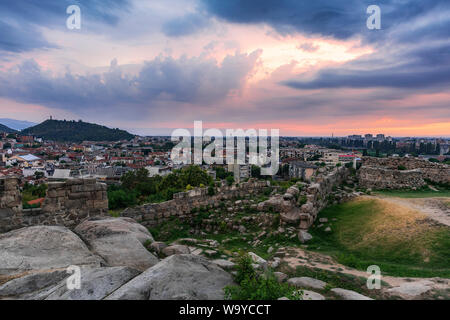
(119, 241)
(96, 284)
(43, 248)
(179, 277)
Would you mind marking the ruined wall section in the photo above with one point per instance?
(10, 203)
(385, 173)
(66, 204)
(323, 193)
(183, 203)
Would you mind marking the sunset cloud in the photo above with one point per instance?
(306, 67)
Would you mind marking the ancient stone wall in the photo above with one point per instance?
(66, 204)
(10, 202)
(380, 178)
(318, 195)
(301, 203)
(183, 203)
(384, 173)
(70, 202)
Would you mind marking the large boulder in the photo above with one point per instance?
(96, 284)
(119, 241)
(43, 248)
(25, 287)
(178, 277)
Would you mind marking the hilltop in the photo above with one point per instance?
(75, 131)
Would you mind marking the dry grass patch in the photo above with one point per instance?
(399, 239)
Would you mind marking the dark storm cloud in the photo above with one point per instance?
(404, 24)
(422, 68)
(20, 19)
(184, 80)
(338, 19)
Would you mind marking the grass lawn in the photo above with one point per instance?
(400, 241)
(414, 194)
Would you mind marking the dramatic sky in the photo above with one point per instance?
(308, 68)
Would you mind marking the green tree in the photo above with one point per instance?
(230, 180)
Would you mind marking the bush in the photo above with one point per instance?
(211, 190)
(401, 167)
(258, 287)
(120, 199)
(230, 180)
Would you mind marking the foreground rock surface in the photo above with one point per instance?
(412, 289)
(349, 294)
(119, 241)
(43, 248)
(27, 286)
(311, 295)
(96, 284)
(178, 277)
(307, 282)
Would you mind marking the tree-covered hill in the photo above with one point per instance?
(75, 131)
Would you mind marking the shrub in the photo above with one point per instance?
(258, 287)
(211, 190)
(401, 167)
(120, 199)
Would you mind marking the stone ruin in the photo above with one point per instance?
(385, 173)
(66, 204)
(183, 203)
(10, 203)
(301, 204)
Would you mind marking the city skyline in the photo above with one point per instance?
(153, 67)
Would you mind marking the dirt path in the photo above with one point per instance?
(437, 209)
(406, 288)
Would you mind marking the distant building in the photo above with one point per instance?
(61, 174)
(158, 171)
(302, 170)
